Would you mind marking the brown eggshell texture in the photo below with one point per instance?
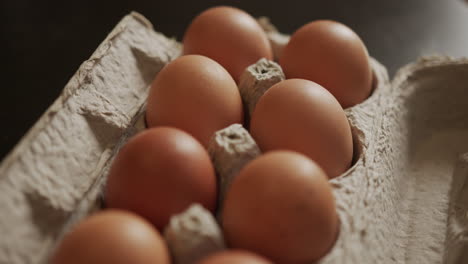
(301, 115)
(332, 55)
(112, 236)
(228, 35)
(234, 257)
(194, 93)
(160, 172)
(282, 207)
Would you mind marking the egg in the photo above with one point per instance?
(332, 55)
(234, 257)
(281, 206)
(303, 116)
(159, 173)
(228, 35)
(112, 236)
(196, 94)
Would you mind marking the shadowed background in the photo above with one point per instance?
(44, 42)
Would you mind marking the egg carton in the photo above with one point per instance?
(404, 200)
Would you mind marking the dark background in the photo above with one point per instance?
(44, 42)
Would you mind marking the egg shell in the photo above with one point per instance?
(281, 206)
(301, 115)
(54, 176)
(234, 257)
(112, 236)
(196, 94)
(160, 172)
(332, 55)
(229, 36)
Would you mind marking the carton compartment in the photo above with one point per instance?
(437, 121)
(399, 202)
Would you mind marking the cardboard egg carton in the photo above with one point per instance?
(405, 199)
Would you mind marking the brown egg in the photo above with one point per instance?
(228, 35)
(332, 55)
(301, 115)
(282, 207)
(159, 173)
(196, 94)
(112, 236)
(234, 257)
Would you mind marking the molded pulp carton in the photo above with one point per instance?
(405, 199)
